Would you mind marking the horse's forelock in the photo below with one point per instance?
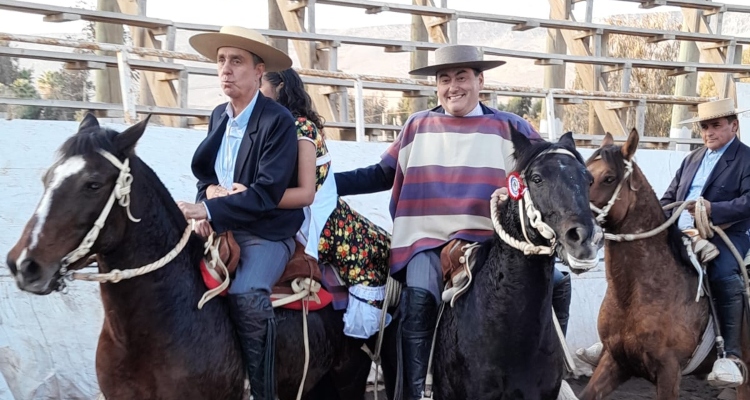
(86, 143)
(612, 156)
(523, 160)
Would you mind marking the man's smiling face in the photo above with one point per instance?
(458, 89)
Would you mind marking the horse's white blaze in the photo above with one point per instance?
(65, 170)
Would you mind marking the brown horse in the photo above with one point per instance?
(649, 322)
(155, 343)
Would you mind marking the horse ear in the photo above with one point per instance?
(567, 141)
(608, 140)
(88, 123)
(631, 145)
(520, 141)
(125, 141)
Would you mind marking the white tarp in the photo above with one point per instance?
(47, 344)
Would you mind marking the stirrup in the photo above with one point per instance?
(591, 355)
(727, 373)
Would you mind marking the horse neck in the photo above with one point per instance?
(646, 265)
(147, 241)
(524, 271)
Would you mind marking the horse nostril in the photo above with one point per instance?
(30, 270)
(575, 235)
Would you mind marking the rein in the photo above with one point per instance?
(120, 192)
(703, 224)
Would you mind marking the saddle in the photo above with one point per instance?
(219, 263)
(457, 261)
(300, 281)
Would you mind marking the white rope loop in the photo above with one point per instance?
(124, 182)
(528, 248)
(604, 211)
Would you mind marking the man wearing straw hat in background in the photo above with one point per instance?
(244, 165)
(419, 237)
(719, 172)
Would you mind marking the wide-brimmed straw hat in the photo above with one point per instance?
(457, 55)
(714, 109)
(208, 45)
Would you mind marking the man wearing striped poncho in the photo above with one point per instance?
(443, 168)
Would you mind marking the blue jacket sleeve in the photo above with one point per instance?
(375, 178)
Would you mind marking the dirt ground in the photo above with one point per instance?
(639, 389)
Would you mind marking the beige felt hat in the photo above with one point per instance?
(714, 109)
(457, 55)
(208, 45)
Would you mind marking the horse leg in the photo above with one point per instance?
(607, 377)
(668, 380)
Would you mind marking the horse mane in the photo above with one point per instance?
(612, 155)
(524, 159)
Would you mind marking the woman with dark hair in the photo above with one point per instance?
(332, 231)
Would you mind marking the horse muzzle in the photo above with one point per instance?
(580, 254)
(31, 277)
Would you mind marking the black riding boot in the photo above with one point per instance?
(561, 295)
(729, 298)
(419, 315)
(254, 322)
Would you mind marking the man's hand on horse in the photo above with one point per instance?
(691, 208)
(203, 228)
(193, 211)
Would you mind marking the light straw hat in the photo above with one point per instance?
(208, 45)
(714, 109)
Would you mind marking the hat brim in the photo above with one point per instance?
(208, 45)
(710, 117)
(432, 70)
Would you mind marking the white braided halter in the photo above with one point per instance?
(120, 192)
(525, 204)
(601, 213)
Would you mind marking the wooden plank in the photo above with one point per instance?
(61, 17)
(87, 15)
(81, 57)
(608, 118)
(712, 55)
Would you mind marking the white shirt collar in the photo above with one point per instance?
(473, 113)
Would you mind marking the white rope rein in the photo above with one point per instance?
(120, 192)
(528, 248)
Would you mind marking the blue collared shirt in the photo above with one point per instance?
(226, 158)
(699, 181)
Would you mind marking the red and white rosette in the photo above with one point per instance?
(516, 188)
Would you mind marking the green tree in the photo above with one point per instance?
(520, 106)
(23, 88)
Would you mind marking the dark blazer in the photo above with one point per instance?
(266, 164)
(727, 187)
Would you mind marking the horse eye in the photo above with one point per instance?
(609, 179)
(536, 179)
(94, 186)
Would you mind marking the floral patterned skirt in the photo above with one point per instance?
(358, 248)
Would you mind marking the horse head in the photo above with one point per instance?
(615, 179)
(73, 220)
(556, 185)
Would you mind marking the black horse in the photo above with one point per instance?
(155, 343)
(499, 341)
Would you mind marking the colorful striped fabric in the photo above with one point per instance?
(446, 170)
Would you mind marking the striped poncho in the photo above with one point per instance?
(446, 170)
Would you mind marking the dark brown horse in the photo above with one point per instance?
(155, 342)
(649, 322)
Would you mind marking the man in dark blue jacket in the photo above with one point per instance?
(244, 165)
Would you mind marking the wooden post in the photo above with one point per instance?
(276, 22)
(418, 58)
(107, 80)
(685, 84)
(554, 77)
(128, 96)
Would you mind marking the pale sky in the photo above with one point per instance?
(254, 13)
